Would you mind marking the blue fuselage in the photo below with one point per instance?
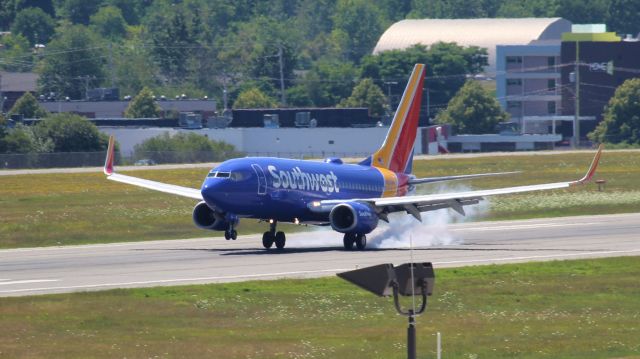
(282, 189)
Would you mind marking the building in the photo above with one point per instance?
(116, 109)
(485, 33)
(13, 85)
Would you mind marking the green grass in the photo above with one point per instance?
(563, 309)
(63, 209)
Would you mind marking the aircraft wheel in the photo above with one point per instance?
(348, 240)
(361, 241)
(280, 240)
(233, 234)
(267, 240)
(227, 235)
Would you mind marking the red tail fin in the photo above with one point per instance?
(397, 148)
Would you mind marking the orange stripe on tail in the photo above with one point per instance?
(398, 145)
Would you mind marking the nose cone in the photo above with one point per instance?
(212, 191)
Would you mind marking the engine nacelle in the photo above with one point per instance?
(206, 218)
(353, 217)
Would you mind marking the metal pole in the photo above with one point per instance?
(282, 94)
(576, 119)
(411, 336)
(439, 346)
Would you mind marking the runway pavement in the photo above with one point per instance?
(318, 253)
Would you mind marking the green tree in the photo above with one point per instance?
(357, 27)
(28, 106)
(134, 66)
(78, 11)
(452, 9)
(621, 123)
(184, 147)
(367, 94)
(583, 11)
(473, 110)
(71, 133)
(19, 140)
(254, 98)
(16, 53)
(447, 68)
(143, 106)
(34, 24)
(623, 16)
(72, 60)
(329, 82)
(109, 23)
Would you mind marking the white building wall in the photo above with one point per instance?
(282, 142)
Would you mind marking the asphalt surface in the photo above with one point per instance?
(318, 253)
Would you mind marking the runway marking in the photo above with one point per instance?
(287, 274)
(539, 257)
(161, 281)
(524, 226)
(9, 282)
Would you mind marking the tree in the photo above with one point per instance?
(79, 11)
(109, 23)
(621, 123)
(357, 27)
(143, 106)
(447, 68)
(367, 94)
(623, 16)
(34, 24)
(329, 82)
(473, 110)
(16, 53)
(28, 106)
(184, 147)
(254, 98)
(19, 140)
(71, 133)
(73, 60)
(583, 11)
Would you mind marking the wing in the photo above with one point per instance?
(156, 186)
(416, 204)
(459, 177)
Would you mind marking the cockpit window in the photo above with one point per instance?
(219, 174)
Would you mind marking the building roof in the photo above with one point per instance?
(18, 81)
(486, 33)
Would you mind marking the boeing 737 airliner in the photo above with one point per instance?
(352, 198)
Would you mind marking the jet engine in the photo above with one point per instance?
(353, 217)
(206, 218)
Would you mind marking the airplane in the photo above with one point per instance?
(351, 198)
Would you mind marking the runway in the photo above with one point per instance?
(311, 254)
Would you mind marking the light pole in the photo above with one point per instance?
(407, 279)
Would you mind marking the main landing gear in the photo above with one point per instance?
(359, 239)
(230, 234)
(271, 236)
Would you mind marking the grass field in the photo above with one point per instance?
(64, 209)
(565, 309)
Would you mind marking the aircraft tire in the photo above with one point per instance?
(267, 240)
(348, 240)
(280, 240)
(233, 234)
(361, 241)
(227, 235)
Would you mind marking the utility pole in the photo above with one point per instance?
(111, 70)
(282, 93)
(576, 120)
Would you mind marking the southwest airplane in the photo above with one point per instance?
(352, 198)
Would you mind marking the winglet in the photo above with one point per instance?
(108, 162)
(592, 170)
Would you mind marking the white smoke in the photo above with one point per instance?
(403, 228)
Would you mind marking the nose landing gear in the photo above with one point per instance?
(271, 236)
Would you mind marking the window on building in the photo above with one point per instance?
(551, 84)
(514, 59)
(514, 104)
(514, 82)
(551, 107)
(551, 61)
